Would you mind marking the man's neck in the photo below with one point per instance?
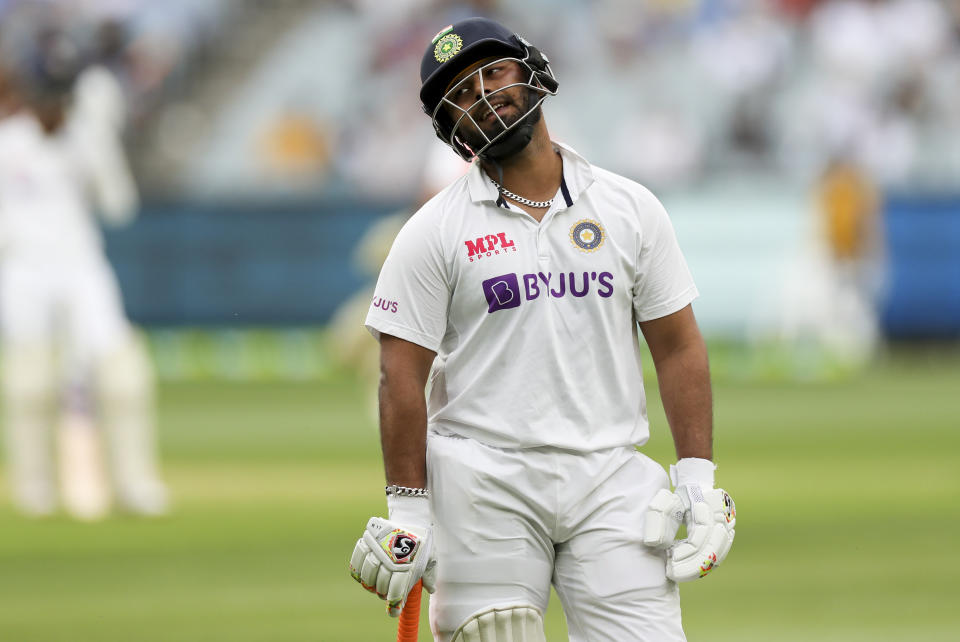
(534, 172)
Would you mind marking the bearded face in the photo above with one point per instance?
(490, 98)
(510, 109)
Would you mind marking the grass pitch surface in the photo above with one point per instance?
(847, 497)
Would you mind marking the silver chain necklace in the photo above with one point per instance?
(523, 201)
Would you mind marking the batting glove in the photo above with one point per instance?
(709, 514)
(394, 553)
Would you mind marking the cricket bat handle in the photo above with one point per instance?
(409, 626)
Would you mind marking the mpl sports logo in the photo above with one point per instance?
(505, 292)
(489, 245)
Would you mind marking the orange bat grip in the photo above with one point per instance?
(409, 626)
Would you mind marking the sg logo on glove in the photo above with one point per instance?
(729, 508)
(400, 546)
(389, 559)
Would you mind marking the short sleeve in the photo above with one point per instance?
(662, 283)
(413, 292)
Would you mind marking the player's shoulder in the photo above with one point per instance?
(433, 223)
(621, 184)
(446, 205)
(638, 198)
(15, 139)
(13, 127)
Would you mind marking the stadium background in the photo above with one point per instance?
(278, 143)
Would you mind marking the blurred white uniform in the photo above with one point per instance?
(53, 269)
(62, 318)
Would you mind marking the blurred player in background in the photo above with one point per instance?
(517, 293)
(849, 206)
(832, 294)
(350, 343)
(72, 365)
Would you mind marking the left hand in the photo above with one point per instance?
(709, 514)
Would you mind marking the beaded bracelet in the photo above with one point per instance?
(404, 491)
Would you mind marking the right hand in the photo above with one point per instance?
(709, 514)
(710, 517)
(389, 559)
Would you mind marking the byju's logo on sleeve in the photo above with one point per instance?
(502, 292)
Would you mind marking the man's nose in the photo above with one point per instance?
(479, 88)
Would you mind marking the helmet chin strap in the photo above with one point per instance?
(515, 140)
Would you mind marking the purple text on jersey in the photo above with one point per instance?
(383, 304)
(503, 292)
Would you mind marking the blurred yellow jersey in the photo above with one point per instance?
(848, 202)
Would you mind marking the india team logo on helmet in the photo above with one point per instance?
(587, 235)
(447, 46)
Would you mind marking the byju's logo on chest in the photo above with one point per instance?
(489, 245)
(502, 292)
(505, 291)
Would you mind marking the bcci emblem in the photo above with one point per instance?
(587, 235)
(399, 545)
(447, 47)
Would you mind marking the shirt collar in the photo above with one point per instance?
(577, 175)
(577, 171)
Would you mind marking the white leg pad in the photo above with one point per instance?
(511, 623)
(126, 387)
(84, 489)
(29, 397)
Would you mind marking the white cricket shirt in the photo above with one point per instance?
(45, 185)
(535, 324)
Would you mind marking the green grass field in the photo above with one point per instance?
(848, 498)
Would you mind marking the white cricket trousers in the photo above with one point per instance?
(77, 302)
(508, 523)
